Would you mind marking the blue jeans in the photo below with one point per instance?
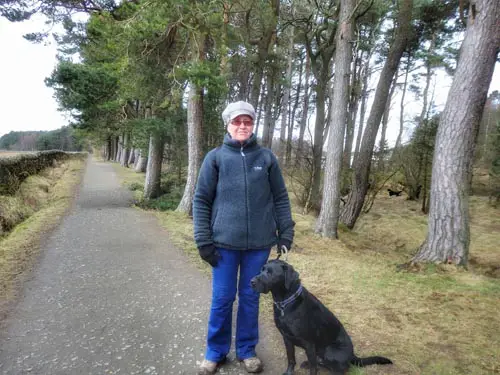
(224, 283)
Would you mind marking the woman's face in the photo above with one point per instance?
(240, 128)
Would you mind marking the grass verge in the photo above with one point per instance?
(42, 199)
(438, 321)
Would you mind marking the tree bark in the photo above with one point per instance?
(385, 122)
(359, 183)
(354, 94)
(285, 102)
(195, 125)
(402, 108)
(256, 87)
(291, 125)
(125, 150)
(362, 110)
(142, 163)
(448, 235)
(305, 110)
(319, 128)
(109, 148)
(267, 136)
(328, 218)
(153, 169)
(131, 158)
(137, 154)
(116, 150)
(120, 149)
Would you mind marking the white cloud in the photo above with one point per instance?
(25, 102)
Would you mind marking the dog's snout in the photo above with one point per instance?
(253, 283)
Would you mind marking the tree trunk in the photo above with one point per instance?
(116, 148)
(448, 235)
(268, 117)
(125, 151)
(131, 158)
(289, 141)
(385, 121)
(137, 154)
(319, 129)
(321, 61)
(425, 206)
(258, 111)
(362, 110)
(195, 125)
(120, 149)
(305, 110)
(354, 93)
(328, 218)
(402, 108)
(285, 102)
(109, 148)
(153, 170)
(291, 125)
(256, 87)
(359, 183)
(142, 163)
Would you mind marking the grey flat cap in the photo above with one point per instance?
(236, 109)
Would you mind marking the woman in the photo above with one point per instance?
(241, 209)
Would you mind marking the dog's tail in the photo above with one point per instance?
(376, 360)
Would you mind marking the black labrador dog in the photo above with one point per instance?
(305, 322)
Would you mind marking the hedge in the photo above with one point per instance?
(14, 169)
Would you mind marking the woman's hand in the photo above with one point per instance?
(209, 254)
(284, 243)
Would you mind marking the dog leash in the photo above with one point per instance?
(284, 250)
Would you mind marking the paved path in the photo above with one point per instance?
(111, 295)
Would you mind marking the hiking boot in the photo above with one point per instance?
(210, 367)
(207, 367)
(253, 365)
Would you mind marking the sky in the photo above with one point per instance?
(27, 104)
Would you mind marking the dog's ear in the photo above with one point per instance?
(290, 276)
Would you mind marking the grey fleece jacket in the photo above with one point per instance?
(241, 201)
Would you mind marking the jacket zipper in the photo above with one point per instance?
(246, 190)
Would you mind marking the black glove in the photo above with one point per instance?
(209, 254)
(284, 242)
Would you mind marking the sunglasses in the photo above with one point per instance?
(246, 123)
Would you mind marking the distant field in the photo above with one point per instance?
(4, 153)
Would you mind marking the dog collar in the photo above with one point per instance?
(283, 304)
